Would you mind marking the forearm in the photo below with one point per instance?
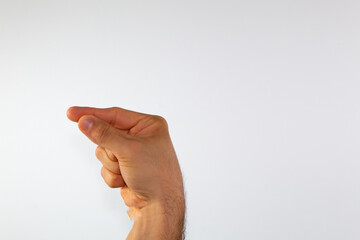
(159, 221)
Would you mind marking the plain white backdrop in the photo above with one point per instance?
(262, 99)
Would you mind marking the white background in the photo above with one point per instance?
(262, 99)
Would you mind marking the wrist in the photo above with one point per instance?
(161, 220)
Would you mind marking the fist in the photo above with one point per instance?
(137, 155)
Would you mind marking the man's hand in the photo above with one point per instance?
(138, 156)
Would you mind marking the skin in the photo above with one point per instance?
(138, 156)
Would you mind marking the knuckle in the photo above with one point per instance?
(102, 133)
(134, 147)
(160, 120)
(117, 168)
(98, 152)
(102, 172)
(114, 112)
(114, 108)
(112, 181)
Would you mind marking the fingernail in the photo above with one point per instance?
(86, 124)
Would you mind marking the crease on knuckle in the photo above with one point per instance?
(115, 113)
(117, 168)
(98, 152)
(102, 133)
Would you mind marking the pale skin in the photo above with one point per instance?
(138, 157)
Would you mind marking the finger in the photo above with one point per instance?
(118, 117)
(106, 162)
(103, 134)
(111, 179)
(111, 155)
(131, 199)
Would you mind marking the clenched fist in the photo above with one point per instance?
(138, 156)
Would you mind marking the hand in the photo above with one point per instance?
(138, 156)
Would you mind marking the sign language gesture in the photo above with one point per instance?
(138, 156)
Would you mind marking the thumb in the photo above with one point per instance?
(103, 134)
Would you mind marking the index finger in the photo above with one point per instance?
(118, 117)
